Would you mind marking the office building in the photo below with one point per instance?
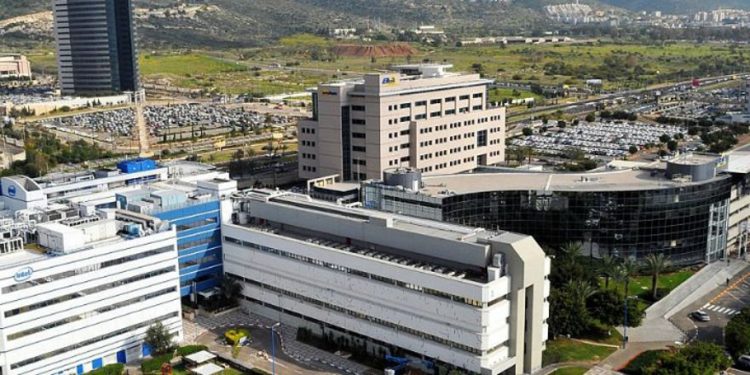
(196, 212)
(434, 292)
(96, 46)
(14, 66)
(80, 293)
(419, 116)
(679, 209)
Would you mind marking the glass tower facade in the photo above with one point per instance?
(95, 46)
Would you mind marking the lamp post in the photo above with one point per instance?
(273, 348)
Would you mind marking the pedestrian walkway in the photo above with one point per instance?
(299, 351)
(720, 309)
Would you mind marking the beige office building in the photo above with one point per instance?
(418, 116)
(14, 66)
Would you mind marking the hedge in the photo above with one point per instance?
(189, 349)
(153, 365)
(113, 369)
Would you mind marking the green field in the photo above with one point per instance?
(565, 350)
(300, 61)
(640, 285)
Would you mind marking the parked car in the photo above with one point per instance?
(743, 363)
(700, 316)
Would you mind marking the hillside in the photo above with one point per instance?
(678, 6)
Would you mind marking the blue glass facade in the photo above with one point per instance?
(198, 244)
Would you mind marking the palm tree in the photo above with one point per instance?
(607, 269)
(656, 263)
(581, 290)
(231, 289)
(624, 270)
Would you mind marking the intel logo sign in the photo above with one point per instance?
(23, 274)
(12, 191)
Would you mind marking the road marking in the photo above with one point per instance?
(713, 308)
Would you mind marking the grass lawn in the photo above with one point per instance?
(186, 64)
(565, 350)
(570, 371)
(641, 285)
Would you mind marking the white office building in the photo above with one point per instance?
(433, 292)
(85, 293)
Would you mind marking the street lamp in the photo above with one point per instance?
(273, 348)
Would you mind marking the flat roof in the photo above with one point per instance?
(624, 180)
(207, 369)
(200, 357)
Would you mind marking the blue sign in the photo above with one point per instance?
(12, 191)
(23, 274)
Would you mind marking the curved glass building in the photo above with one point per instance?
(679, 209)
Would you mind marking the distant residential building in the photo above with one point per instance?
(96, 46)
(447, 295)
(15, 66)
(418, 116)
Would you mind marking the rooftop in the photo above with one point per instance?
(623, 180)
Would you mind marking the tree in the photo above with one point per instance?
(607, 268)
(159, 338)
(238, 155)
(664, 138)
(606, 306)
(633, 149)
(527, 131)
(695, 358)
(672, 145)
(656, 263)
(231, 289)
(570, 317)
(737, 334)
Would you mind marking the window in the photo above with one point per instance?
(420, 116)
(358, 108)
(405, 132)
(477, 107)
(359, 135)
(435, 114)
(405, 105)
(463, 97)
(435, 101)
(450, 111)
(406, 119)
(477, 95)
(358, 121)
(420, 103)
(359, 148)
(359, 162)
(451, 99)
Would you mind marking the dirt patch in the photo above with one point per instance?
(385, 50)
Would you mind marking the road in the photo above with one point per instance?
(721, 305)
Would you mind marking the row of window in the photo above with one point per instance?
(196, 224)
(308, 130)
(307, 143)
(196, 243)
(308, 156)
(88, 314)
(89, 291)
(94, 340)
(371, 319)
(351, 271)
(309, 169)
(86, 269)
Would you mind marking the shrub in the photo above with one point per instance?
(153, 365)
(113, 369)
(234, 336)
(189, 349)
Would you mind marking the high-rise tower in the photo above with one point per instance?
(95, 46)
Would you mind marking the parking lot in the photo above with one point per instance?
(168, 120)
(604, 139)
